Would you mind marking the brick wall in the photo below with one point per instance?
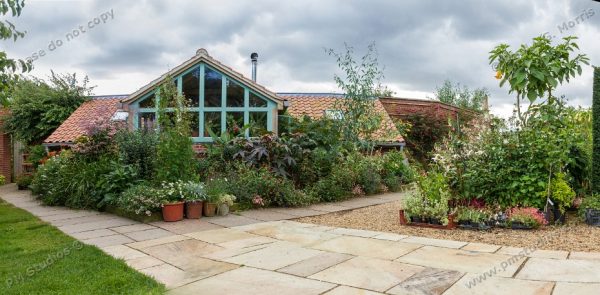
(5, 152)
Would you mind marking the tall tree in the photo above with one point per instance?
(361, 84)
(535, 71)
(38, 108)
(596, 132)
(10, 67)
(461, 96)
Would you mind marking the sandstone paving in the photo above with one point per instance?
(149, 234)
(584, 255)
(561, 270)
(143, 262)
(186, 226)
(220, 235)
(367, 247)
(368, 273)
(469, 285)
(132, 228)
(463, 261)
(389, 236)
(354, 232)
(247, 280)
(231, 220)
(345, 290)
(182, 254)
(267, 215)
(159, 241)
(123, 252)
(93, 234)
(117, 221)
(315, 264)
(108, 241)
(274, 256)
(480, 247)
(576, 288)
(430, 281)
(305, 236)
(435, 242)
(536, 253)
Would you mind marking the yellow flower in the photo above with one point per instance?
(498, 75)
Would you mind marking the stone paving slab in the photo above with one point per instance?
(327, 207)
(367, 247)
(498, 286)
(221, 235)
(186, 226)
(368, 273)
(461, 260)
(267, 215)
(80, 220)
(480, 247)
(69, 215)
(435, 242)
(274, 256)
(298, 212)
(246, 280)
(108, 240)
(535, 254)
(315, 264)
(584, 255)
(290, 232)
(390, 237)
(345, 290)
(112, 222)
(144, 262)
(149, 234)
(354, 232)
(123, 252)
(576, 288)
(561, 270)
(231, 220)
(159, 241)
(430, 281)
(90, 234)
(132, 228)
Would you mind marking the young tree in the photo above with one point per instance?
(596, 132)
(461, 96)
(362, 86)
(535, 71)
(38, 108)
(8, 66)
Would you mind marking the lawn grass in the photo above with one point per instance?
(37, 258)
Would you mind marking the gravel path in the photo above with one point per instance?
(575, 236)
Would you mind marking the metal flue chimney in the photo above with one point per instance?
(254, 58)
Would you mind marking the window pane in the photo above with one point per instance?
(194, 118)
(146, 121)
(212, 121)
(258, 123)
(235, 94)
(148, 102)
(191, 87)
(256, 101)
(212, 88)
(235, 122)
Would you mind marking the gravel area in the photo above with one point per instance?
(575, 236)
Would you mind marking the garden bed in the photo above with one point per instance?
(574, 236)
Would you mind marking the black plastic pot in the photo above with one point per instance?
(592, 217)
(519, 225)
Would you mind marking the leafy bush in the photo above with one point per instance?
(560, 192)
(36, 154)
(140, 199)
(24, 181)
(334, 187)
(216, 187)
(194, 191)
(51, 180)
(392, 182)
(138, 148)
(368, 174)
(2, 179)
(394, 163)
(527, 216)
(475, 215)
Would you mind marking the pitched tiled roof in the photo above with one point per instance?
(98, 108)
(203, 56)
(314, 105)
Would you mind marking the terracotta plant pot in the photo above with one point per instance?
(193, 210)
(173, 211)
(210, 209)
(223, 210)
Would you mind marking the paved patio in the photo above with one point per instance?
(262, 252)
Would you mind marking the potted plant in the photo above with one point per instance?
(214, 189)
(225, 200)
(172, 202)
(473, 218)
(194, 196)
(24, 181)
(525, 218)
(590, 210)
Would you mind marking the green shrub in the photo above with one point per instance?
(138, 148)
(434, 186)
(215, 187)
(36, 154)
(24, 181)
(336, 186)
(392, 182)
(596, 131)
(140, 199)
(2, 179)
(51, 180)
(394, 163)
(194, 191)
(368, 176)
(560, 192)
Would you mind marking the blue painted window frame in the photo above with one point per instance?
(201, 109)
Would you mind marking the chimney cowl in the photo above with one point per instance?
(254, 58)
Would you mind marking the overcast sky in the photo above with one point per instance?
(421, 43)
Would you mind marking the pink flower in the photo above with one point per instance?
(258, 200)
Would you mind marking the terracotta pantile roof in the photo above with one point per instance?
(314, 105)
(98, 108)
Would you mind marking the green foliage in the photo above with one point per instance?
(36, 154)
(473, 215)
(38, 108)
(216, 187)
(462, 96)
(140, 199)
(535, 71)
(8, 66)
(561, 192)
(193, 191)
(368, 173)
(596, 132)
(175, 158)
(138, 148)
(24, 180)
(361, 84)
(589, 202)
(2, 179)
(336, 186)
(425, 132)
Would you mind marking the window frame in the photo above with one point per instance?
(270, 107)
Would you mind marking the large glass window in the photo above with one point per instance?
(194, 124)
(235, 94)
(212, 88)
(258, 123)
(146, 121)
(191, 87)
(149, 102)
(212, 121)
(235, 122)
(256, 101)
